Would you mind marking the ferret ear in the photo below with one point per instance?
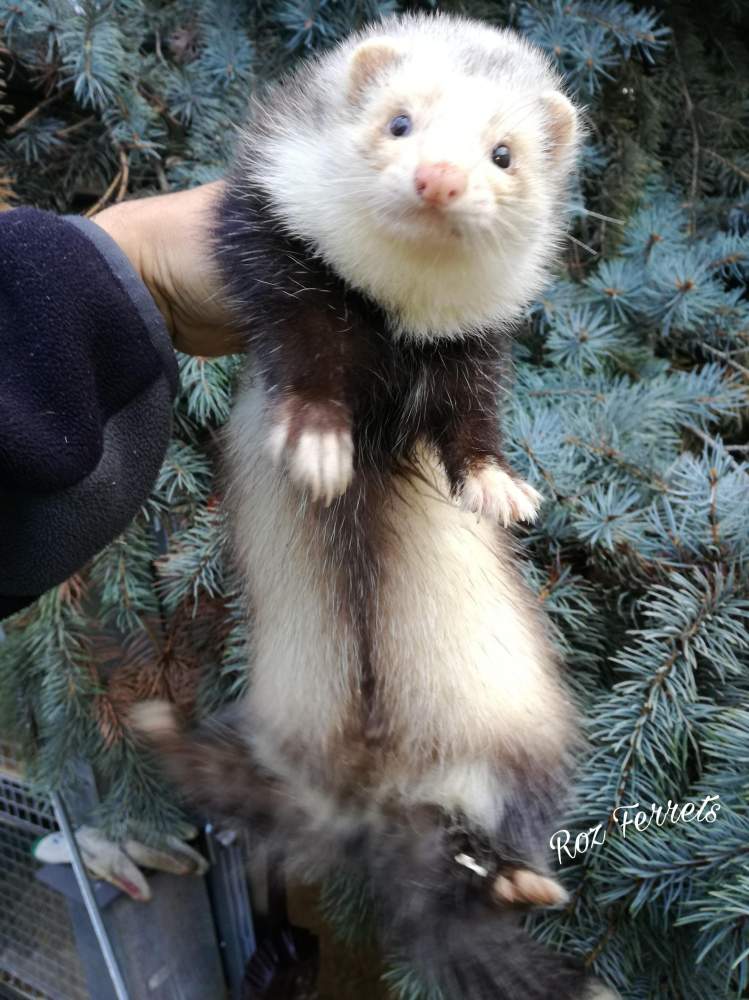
(369, 59)
(562, 124)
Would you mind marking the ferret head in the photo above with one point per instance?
(427, 161)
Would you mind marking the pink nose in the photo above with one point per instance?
(439, 183)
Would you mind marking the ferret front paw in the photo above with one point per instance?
(314, 442)
(489, 491)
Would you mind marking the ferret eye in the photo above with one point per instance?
(501, 157)
(400, 126)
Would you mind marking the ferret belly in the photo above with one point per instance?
(464, 685)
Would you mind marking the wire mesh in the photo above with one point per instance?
(38, 957)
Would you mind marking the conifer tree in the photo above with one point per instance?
(628, 410)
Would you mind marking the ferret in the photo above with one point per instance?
(394, 206)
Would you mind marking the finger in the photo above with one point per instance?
(160, 859)
(200, 865)
(105, 860)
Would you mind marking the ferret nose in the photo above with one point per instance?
(440, 183)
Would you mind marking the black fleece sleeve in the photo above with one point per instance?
(87, 379)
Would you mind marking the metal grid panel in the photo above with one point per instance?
(38, 955)
(13, 989)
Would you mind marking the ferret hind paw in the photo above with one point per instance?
(316, 446)
(154, 719)
(523, 886)
(489, 491)
(599, 991)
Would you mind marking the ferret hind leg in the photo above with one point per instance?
(433, 881)
(211, 764)
(440, 916)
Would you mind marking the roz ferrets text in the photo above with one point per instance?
(637, 817)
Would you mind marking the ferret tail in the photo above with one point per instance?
(435, 909)
(477, 951)
(440, 918)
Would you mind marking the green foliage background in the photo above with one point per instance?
(629, 411)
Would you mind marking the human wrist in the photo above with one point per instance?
(136, 226)
(124, 224)
(167, 239)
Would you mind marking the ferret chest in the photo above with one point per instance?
(403, 390)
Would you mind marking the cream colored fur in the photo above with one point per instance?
(460, 651)
(347, 187)
(302, 651)
(466, 676)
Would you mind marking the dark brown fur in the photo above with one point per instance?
(329, 354)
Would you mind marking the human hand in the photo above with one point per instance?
(166, 240)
